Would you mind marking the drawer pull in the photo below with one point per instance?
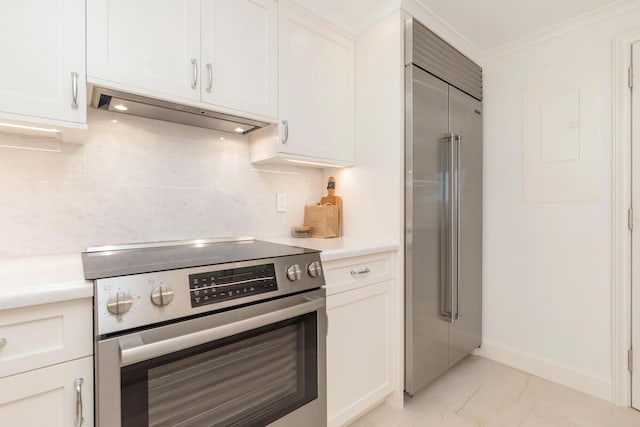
(210, 72)
(78, 386)
(194, 84)
(74, 90)
(361, 272)
(285, 123)
(3, 342)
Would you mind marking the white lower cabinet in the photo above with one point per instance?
(56, 396)
(46, 365)
(360, 337)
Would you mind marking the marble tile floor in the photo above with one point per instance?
(482, 393)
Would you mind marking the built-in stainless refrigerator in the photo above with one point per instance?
(443, 212)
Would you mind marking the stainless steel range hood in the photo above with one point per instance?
(128, 103)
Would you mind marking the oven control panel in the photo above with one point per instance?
(224, 285)
(139, 300)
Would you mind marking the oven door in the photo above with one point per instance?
(253, 366)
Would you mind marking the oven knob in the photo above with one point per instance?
(162, 295)
(314, 269)
(294, 273)
(120, 304)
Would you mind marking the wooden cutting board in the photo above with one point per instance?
(332, 199)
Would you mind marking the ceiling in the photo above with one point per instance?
(484, 24)
(489, 24)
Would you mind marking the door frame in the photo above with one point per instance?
(621, 236)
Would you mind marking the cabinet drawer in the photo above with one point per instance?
(48, 396)
(42, 335)
(351, 273)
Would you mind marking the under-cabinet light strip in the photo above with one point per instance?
(304, 162)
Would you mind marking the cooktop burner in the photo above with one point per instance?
(113, 261)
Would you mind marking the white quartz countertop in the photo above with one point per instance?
(339, 247)
(29, 281)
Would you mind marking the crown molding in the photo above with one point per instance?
(377, 15)
(339, 17)
(565, 27)
(419, 10)
(435, 23)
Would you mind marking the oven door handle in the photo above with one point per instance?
(134, 350)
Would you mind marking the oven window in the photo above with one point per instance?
(249, 379)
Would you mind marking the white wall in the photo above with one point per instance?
(373, 190)
(143, 180)
(547, 273)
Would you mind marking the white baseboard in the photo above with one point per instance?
(396, 399)
(360, 407)
(565, 375)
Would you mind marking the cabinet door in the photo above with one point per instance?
(48, 396)
(239, 55)
(358, 351)
(146, 45)
(316, 88)
(43, 43)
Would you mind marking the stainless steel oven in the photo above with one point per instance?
(236, 340)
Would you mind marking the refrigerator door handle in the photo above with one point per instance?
(455, 291)
(449, 238)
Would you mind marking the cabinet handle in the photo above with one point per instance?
(78, 385)
(361, 272)
(194, 62)
(74, 90)
(210, 71)
(3, 342)
(286, 131)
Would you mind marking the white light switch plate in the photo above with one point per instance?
(281, 202)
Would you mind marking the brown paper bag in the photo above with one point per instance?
(323, 219)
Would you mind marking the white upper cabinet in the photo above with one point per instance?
(153, 45)
(316, 93)
(316, 87)
(221, 52)
(42, 77)
(239, 55)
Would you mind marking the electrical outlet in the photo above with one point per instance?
(281, 202)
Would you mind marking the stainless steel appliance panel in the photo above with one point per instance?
(443, 214)
(139, 287)
(175, 351)
(426, 355)
(466, 123)
(212, 332)
(427, 50)
(137, 105)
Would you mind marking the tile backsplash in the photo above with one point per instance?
(137, 180)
